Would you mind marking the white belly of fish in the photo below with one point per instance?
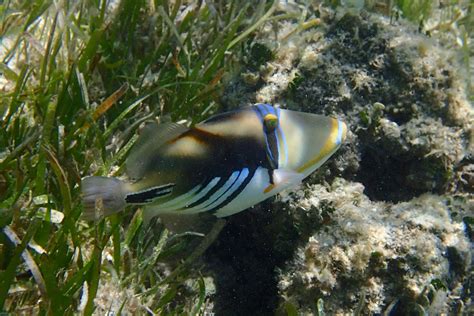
(252, 194)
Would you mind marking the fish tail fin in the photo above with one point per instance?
(102, 196)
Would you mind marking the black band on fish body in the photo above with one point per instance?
(230, 187)
(270, 176)
(272, 149)
(236, 192)
(210, 192)
(148, 195)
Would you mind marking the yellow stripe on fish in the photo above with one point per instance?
(337, 135)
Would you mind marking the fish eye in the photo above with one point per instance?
(270, 121)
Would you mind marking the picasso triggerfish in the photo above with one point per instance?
(223, 165)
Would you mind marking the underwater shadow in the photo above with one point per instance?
(244, 260)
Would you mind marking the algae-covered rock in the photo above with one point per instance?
(371, 254)
(384, 225)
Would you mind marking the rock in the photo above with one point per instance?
(373, 253)
(384, 225)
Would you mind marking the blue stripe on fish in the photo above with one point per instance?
(203, 191)
(229, 184)
(269, 151)
(285, 146)
(281, 138)
(277, 113)
(339, 132)
(271, 138)
(259, 112)
(214, 195)
(181, 200)
(243, 181)
(209, 194)
(242, 174)
(263, 108)
(267, 109)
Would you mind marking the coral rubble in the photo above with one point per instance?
(371, 254)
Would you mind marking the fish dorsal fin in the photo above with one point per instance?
(151, 138)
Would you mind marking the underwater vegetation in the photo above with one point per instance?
(77, 80)
(385, 226)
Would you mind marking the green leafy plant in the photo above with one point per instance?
(78, 78)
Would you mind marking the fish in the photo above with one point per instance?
(221, 166)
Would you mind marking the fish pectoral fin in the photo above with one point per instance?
(283, 178)
(149, 194)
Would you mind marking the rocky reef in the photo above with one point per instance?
(373, 256)
(386, 224)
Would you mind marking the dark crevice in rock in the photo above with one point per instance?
(383, 177)
(245, 258)
(243, 263)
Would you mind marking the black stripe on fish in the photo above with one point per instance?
(272, 149)
(236, 192)
(230, 187)
(204, 185)
(148, 195)
(206, 197)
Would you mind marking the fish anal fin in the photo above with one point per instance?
(181, 223)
